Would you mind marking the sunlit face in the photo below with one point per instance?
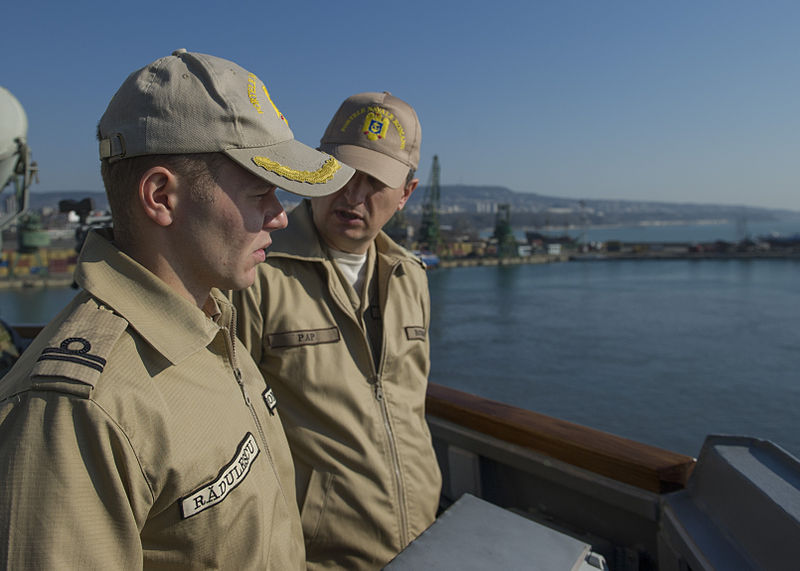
(227, 227)
(349, 219)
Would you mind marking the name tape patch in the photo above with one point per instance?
(415, 333)
(270, 400)
(306, 337)
(231, 476)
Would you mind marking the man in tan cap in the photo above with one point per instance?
(338, 322)
(134, 433)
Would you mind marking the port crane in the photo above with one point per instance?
(503, 233)
(430, 238)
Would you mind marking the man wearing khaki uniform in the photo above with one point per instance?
(338, 322)
(134, 433)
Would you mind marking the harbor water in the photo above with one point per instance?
(663, 352)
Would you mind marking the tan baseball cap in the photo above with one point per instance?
(196, 103)
(376, 133)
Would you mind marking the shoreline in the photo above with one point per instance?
(60, 280)
(603, 256)
(56, 281)
(611, 256)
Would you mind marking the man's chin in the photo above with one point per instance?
(243, 281)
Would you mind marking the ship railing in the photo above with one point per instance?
(597, 487)
(641, 465)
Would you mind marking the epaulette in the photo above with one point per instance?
(74, 357)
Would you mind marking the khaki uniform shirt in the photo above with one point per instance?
(133, 435)
(367, 477)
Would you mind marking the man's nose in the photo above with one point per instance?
(274, 215)
(356, 189)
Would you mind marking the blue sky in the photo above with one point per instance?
(680, 101)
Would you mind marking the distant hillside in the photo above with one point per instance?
(476, 206)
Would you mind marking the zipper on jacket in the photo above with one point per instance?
(401, 499)
(393, 448)
(237, 374)
(375, 381)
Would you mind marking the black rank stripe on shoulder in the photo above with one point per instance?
(74, 350)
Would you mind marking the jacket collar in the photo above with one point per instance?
(301, 240)
(145, 301)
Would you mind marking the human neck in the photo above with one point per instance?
(159, 262)
(354, 248)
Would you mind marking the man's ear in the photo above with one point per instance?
(157, 195)
(407, 190)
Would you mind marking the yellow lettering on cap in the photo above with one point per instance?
(251, 93)
(353, 116)
(376, 123)
(321, 175)
(278, 113)
(400, 132)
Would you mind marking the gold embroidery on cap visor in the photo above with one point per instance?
(321, 175)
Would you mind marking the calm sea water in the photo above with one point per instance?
(33, 305)
(663, 352)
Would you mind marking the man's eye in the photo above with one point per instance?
(265, 193)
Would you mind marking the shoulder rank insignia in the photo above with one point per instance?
(77, 350)
(74, 350)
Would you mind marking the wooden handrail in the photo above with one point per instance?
(635, 463)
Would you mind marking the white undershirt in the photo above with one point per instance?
(352, 266)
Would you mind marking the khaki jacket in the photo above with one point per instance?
(367, 477)
(133, 435)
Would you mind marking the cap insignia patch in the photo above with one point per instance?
(321, 175)
(252, 94)
(375, 126)
(376, 123)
